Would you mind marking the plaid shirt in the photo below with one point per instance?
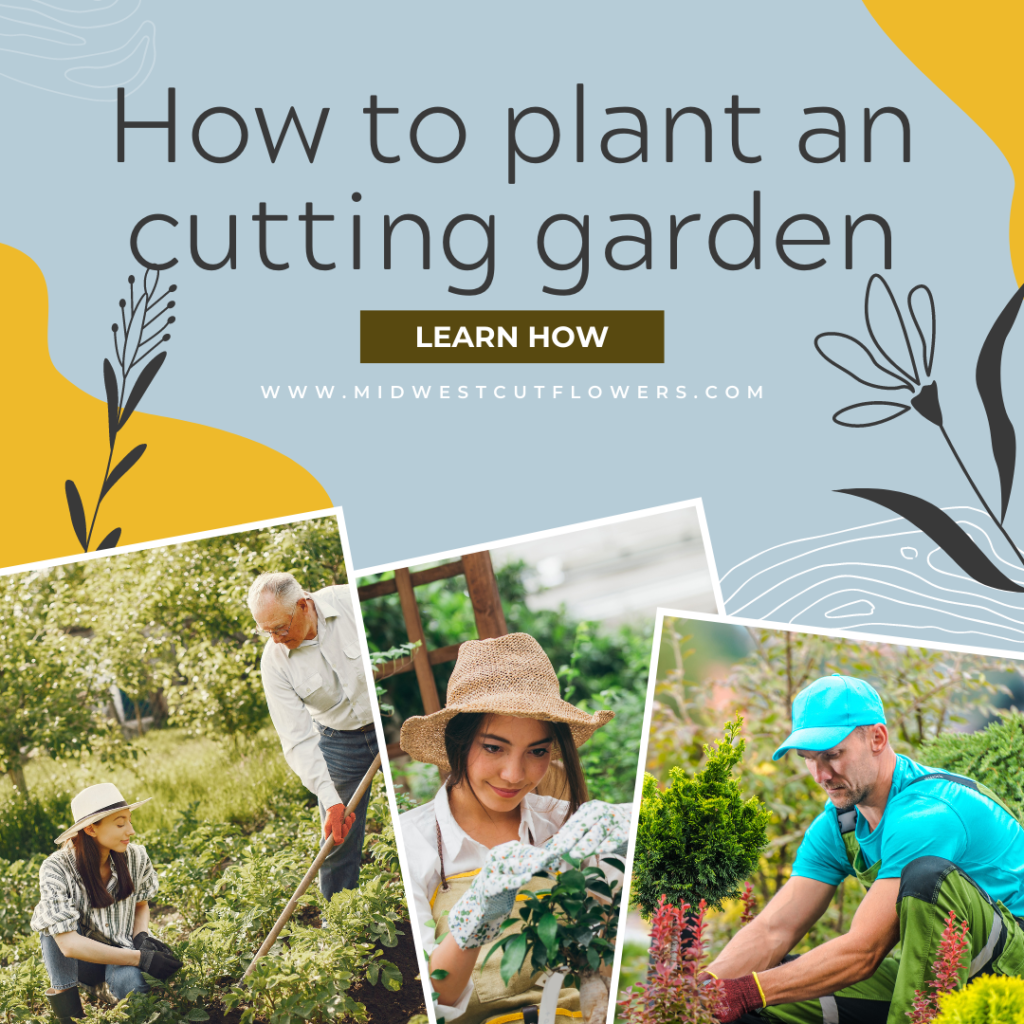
(64, 905)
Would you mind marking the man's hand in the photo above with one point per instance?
(337, 823)
(738, 996)
(844, 960)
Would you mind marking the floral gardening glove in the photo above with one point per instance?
(596, 828)
(477, 917)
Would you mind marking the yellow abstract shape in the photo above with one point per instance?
(972, 52)
(190, 478)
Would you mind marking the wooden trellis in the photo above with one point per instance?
(487, 611)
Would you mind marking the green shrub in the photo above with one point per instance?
(993, 756)
(699, 837)
(19, 893)
(29, 823)
(990, 999)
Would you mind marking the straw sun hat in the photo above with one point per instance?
(509, 675)
(94, 803)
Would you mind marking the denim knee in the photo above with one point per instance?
(122, 979)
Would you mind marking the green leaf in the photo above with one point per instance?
(572, 881)
(197, 1014)
(439, 975)
(515, 953)
(548, 931)
(391, 975)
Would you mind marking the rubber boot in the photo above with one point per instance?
(66, 1005)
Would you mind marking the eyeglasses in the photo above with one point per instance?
(283, 630)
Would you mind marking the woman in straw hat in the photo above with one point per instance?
(487, 832)
(93, 911)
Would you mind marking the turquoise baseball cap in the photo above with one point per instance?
(828, 710)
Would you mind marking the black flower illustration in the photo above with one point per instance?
(897, 369)
(902, 362)
(143, 330)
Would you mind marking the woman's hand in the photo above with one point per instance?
(596, 828)
(477, 917)
(146, 941)
(158, 964)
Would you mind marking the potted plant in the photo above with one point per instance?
(569, 933)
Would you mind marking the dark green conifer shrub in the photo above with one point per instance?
(992, 756)
(698, 838)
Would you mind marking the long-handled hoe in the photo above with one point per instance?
(360, 792)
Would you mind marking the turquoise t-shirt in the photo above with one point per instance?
(930, 819)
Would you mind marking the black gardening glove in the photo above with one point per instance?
(146, 941)
(158, 964)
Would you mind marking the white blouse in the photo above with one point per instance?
(540, 816)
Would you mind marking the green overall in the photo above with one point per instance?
(929, 888)
(492, 1001)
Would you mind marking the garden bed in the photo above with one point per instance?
(222, 886)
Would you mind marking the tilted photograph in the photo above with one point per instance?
(193, 824)
(830, 831)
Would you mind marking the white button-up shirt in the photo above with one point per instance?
(322, 680)
(540, 816)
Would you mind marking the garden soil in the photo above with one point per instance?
(384, 1007)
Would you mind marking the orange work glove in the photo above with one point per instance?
(337, 823)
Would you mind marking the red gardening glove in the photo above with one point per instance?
(739, 996)
(337, 823)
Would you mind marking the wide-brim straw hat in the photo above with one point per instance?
(507, 675)
(94, 804)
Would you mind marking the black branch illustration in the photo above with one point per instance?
(142, 331)
(894, 367)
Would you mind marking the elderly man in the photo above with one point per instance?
(320, 705)
(924, 841)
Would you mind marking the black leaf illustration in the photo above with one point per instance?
(110, 383)
(990, 386)
(121, 468)
(110, 541)
(943, 530)
(77, 511)
(149, 371)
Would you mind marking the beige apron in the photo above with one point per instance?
(492, 1001)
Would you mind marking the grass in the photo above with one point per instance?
(231, 782)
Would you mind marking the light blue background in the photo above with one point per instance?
(416, 477)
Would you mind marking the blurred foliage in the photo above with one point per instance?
(597, 670)
(994, 756)
(926, 694)
(51, 682)
(168, 627)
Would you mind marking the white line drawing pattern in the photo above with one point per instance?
(83, 49)
(883, 577)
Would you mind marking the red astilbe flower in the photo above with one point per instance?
(749, 905)
(947, 964)
(672, 993)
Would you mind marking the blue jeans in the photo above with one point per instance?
(66, 972)
(348, 756)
